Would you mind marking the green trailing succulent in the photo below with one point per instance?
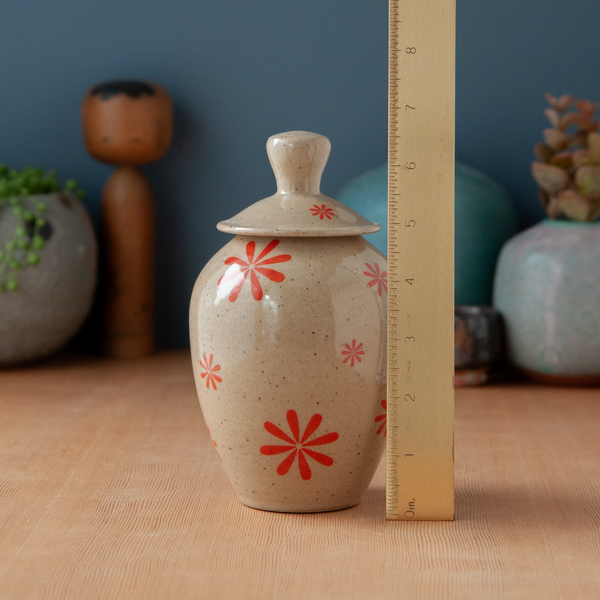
(569, 172)
(19, 193)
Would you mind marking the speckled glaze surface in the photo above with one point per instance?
(547, 288)
(288, 338)
(55, 296)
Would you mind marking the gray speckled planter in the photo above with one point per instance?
(547, 288)
(55, 296)
(288, 338)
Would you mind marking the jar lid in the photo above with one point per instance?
(298, 209)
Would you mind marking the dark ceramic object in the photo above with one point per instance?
(477, 343)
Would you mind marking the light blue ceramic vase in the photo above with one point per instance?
(547, 287)
(485, 218)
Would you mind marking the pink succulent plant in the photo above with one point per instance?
(568, 170)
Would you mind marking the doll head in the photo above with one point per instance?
(127, 122)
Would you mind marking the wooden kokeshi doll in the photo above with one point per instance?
(127, 123)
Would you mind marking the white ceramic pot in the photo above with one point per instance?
(288, 338)
(55, 296)
(547, 288)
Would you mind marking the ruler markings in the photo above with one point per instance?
(420, 468)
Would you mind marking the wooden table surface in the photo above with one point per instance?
(110, 488)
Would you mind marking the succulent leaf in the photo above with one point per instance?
(594, 214)
(580, 158)
(544, 152)
(565, 121)
(550, 178)
(553, 208)
(593, 142)
(569, 172)
(587, 179)
(586, 107)
(563, 160)
(556, 139)
(553, 117)
(573, 205)
(560, 104)
(544, 198)
(585, 122)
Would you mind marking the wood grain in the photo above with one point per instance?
(128, 224)
(127, 123)
(110, 489)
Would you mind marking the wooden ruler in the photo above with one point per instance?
(420, 459)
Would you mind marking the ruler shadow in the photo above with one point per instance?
(520, 507)
(515, 507)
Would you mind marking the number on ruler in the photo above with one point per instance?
(410, 513)
(406, 136)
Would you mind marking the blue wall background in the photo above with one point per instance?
(240, 71)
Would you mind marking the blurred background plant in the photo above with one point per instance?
(569, 172)
(21, 191)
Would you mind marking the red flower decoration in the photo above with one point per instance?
(298, 446)
(322, 211)
(240, 270)
(210, 372)
(378, 278)
(214, 444)
(383, 419)
(353, 353)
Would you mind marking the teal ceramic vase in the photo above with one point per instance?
(485, 218)
(547, 288)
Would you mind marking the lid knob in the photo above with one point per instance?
(298, 159)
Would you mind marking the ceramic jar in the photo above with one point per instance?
(477, 343)
(547, 288)
(55, 296)
(288, 338)
(485, 218)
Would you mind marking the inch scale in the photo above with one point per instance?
(420, 401)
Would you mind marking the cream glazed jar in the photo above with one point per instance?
(288, 338)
